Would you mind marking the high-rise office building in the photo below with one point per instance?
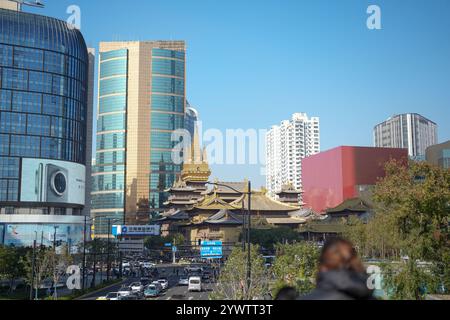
(408, 131)
(142, 101)
(286, 145)
(43, 129)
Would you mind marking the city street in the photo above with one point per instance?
(174, 292)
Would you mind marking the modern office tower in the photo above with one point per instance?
(142, 101)
(43, 129)
(191, 119)
(408, 131)
(439, 155)
(286, 146)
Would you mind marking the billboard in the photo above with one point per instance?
(211, 249)
(149, 230)
(52, 181)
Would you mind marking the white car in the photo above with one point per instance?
(136, 287)
(164, 283)
(125, 291)
(112, 296)
(148, 265)
(126, 265)
(195, 284)
(184, 281)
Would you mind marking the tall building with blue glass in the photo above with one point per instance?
(43, 129)
(141, 102)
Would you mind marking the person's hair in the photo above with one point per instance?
(287, 293)
(330, 243)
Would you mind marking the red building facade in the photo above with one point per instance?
(331, 177)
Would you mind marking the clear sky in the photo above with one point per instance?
(253, 63)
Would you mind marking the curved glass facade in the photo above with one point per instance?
(167, 115)
(43, 107)
(108, 181)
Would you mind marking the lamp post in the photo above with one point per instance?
(84, 253)
(108, 262)
(246, 225)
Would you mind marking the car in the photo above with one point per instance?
(137, 287)
(206, 276)
(184, 281)
(125, 291)
(158, 284)
(126, 265)
(195, 284)
(152, 291)
(110, 296)
(164, 283)
(148, 265)
(130, 297)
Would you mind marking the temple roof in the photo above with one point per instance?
(221, 188)
(286, 221)
(224, 217)
(214, 202)
(289, 188)
(354, 205)
(261, 202)
(175, 215)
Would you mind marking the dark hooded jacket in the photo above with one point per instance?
(340, 285)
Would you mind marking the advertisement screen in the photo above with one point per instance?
(51, 181)
(46, 234)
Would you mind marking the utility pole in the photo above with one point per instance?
(33, 263)
(84, 253)
(108, 263)
(249, 254)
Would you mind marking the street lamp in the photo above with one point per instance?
(249, 195)
(108, 263)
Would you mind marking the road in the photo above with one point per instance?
(174, 292)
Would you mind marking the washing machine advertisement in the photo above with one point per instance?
(51, 181)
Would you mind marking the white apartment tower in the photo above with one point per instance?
(409, 131)
(286, 145)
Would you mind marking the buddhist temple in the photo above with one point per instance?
(216, 212)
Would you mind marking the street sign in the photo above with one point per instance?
(143, 231)
(174, 249)
(211, 249)
(167, 245)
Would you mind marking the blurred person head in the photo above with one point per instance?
(339, 254)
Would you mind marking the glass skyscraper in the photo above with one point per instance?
(43, 112)
(142, 101)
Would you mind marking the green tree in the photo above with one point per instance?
(268, 238)
(42, 269)
(296, 265)
(232, 283)
(412, 219)
(11, 267)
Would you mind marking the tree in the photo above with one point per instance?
(232, 282)
(412, 210)
(42, 269)
(58, 263)
(11, 267)
(268, 238)
(296, 265)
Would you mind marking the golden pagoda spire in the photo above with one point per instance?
(195, 167)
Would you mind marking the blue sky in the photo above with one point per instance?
(253, 63)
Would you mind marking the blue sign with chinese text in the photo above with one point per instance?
(211, 249)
